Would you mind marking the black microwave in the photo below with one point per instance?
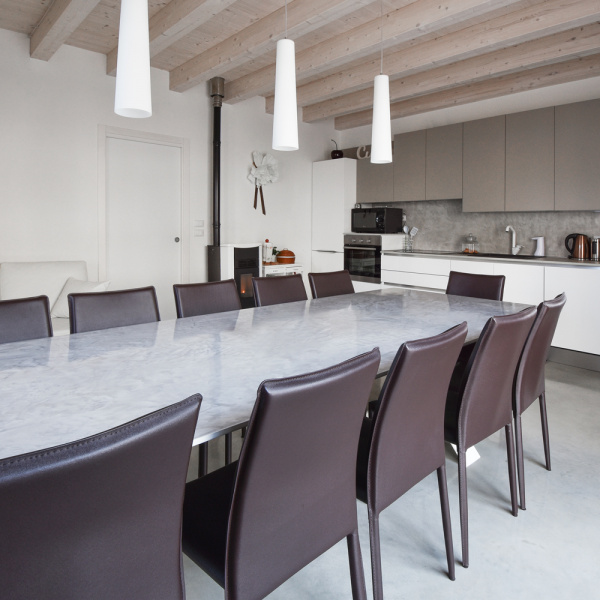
(377, 220)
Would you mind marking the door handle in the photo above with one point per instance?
(176, 239)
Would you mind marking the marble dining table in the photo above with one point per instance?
(61, 389)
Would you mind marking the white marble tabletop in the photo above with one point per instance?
(61, 389)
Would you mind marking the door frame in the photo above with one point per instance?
(104, 133)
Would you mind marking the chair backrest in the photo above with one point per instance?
(474, 285)
(487, 383)
(333, 283)
(103, 310)
(193, 299)
(295, 493)
(407, 443)
(530, 381)
(100, 517)
(25, 319)
(278, 290)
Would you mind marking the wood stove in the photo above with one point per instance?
(241, 262)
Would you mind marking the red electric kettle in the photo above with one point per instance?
(579, 248)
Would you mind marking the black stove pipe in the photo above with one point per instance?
(217, 91)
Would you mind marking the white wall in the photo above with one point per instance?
(50, 112)
(288, 201)
(49, 118)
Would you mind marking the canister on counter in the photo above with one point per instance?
(594, 247)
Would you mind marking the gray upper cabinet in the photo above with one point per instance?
(530, 160)
(577, 155)
(374, 182)
(443, 163)
(484, 165)
(409, 166)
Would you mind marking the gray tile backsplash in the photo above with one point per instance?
(442, 226)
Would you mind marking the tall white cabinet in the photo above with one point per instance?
(333, 197)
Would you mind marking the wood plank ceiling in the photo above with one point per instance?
(438, 53)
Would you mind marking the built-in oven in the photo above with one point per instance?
(362, 257)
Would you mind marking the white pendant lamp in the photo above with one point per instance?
(133, 96)
(381, 134)
(285, 113)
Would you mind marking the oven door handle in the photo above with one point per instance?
(361, 248)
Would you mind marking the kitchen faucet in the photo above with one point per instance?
(515, 249)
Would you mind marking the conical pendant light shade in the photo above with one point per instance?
(285, 114)
(133, 93)
(381, 135)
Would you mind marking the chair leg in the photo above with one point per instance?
(545, 435)
(445, 505)
(375, 556)
(228, 448)
(464, 510)
(510, 452)
(202, 459)
(520, 461)
(357, 573)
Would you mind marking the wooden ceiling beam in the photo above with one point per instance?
(304, 16)
(173, 22)
(562, 46)
(56, 26)
(516, 27)
(529, 79)
(411, 20)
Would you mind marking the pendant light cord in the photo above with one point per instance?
(286, 19)
(381, 28)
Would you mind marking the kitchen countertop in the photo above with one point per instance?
(497, 257)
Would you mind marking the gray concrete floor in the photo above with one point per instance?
(549, 551)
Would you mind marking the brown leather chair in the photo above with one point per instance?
(193, 299)
(488, 287)
(482, 403)
(333, 283)
(252, 525)
(25, 319)
(473, 285)
(104, 310)
(100, 517)
(530, 380)
(278, 290)
(404, 442)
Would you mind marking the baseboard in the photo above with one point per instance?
(583, 360)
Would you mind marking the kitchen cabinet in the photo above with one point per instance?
(524, 283)
(579, 321)
(530, 161)
(415, 271)
(374, 182)
(428, 164)
(409, 166)
(577, 148)
(326, 261)
(484, 169)
(333, 197)
(468, 265)
(443, 162)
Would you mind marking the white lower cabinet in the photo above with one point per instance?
(469, 265)
(415, 271)
(579, 324)
(324, 262)
(524, 283)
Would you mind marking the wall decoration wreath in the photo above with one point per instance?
(264, 170)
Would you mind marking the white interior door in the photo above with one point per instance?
(143, 217)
